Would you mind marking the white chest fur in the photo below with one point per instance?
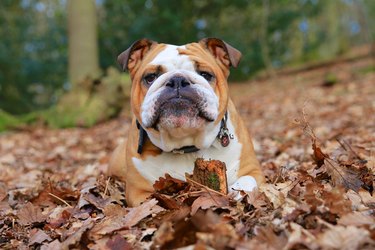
(177, 165)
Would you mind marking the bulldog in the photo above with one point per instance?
(182, 111)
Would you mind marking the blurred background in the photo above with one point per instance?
(58, 57)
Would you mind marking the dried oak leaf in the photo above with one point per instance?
(30, 214)
(222, 236)
(345, 238)
(166, 202)
(76, 236)
(97, 201)
(135, 215)
(118, 243)
(336, 202)
(356, 219)
(38, 236)
(318, 155)
(208, 200)
(268, 236)
(299, 236)
(163, 235)
(169, 185)
(56, 244)
(3, 191)
(341, 175)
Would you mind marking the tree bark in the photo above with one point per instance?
(264, 38)
(83, 42)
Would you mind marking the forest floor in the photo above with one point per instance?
(54, 195)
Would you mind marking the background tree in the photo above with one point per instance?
(271, 34)
(83, 40)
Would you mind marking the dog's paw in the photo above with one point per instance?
(246, 183)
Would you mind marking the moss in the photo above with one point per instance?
(92, 102)
(366, 70)
(330, 79)
(8, 121)
(213, 181)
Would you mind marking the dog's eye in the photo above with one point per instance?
(206, 75)
(150, 78)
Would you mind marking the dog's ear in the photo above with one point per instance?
(129, 58)
(228, 55)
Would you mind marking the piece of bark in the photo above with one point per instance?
(211, 173)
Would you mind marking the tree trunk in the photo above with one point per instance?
(83, 42)
(264, 38)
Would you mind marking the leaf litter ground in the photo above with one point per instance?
(316, 144)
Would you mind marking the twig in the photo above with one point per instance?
(203, 186)
(106, 186)
(63, 201)
(346, 146)
(207, 189)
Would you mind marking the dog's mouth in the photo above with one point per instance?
(180, 111)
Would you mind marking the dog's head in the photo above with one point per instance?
(179, 93)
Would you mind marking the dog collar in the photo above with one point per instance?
(224, 137)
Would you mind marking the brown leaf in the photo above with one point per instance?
(38, 237)
(318, 156)
(223, 236)
(3, 191)
(267, 235)
(97, 201)
(166, 202)
(62, 217)
(138, 213)
(76, 236)
(163, 235)
(356, 219)
(336, 202)
(52, 246)
(342, 175)
(345, 238)
(300, 236)
(30, 214)
(113, 210)
(118, 243)
(132, 218)
(207, 200)
(169, 185)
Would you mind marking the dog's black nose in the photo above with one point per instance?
(177, 82)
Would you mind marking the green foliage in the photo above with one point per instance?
(92, 102)
(270, 34)
(7, 121)
(330, 79)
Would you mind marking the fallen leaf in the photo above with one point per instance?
(135, 214)
(163, 235)
(38, 237)
(30, 214)
(166, 202)
(356, 219)
(3, 191)
(169, 185)
(207, 200)
(336, 201)
(345, 238)
(54, 245)
(118, 243)
(76, 236)
(319, 157)
(342, 175)
(300, 236)
(267, 235)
